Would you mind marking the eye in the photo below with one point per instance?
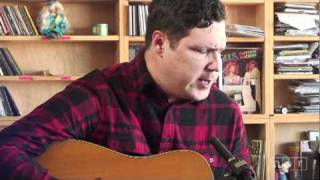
(201, 51)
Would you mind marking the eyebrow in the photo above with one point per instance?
(207, 47)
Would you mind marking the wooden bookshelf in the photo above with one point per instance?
(28, 78)
(140, 39)
(224, 1)
(80, 52)
(245, 39)
(296, 76)
(255, 119)
(296, 38)
(288, 128)
(296, 1)
(298, 118)
(74, 38)
(7, 121)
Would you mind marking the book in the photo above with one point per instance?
(26, 20)
(3, 25)
(6, 103)
(256, 147)
(11, 62)
(4, 65)
(12, 103)
(292, 46)
(6, 21)
(34, 29)
(10, 20)
(244, 30)
(22, 23)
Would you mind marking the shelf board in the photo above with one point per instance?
(296, 118)
(139, 1)
(296, 38)
(62, 1)
(297, 1)
(27, 78)
(296, 76)
(8, 120)
(254, 119)
(88, 38)
(138, 39)
(245, 39)
(223, 1)
(239, 2)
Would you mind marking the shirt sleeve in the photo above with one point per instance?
(72, 113)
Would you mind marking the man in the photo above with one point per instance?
(164, 99)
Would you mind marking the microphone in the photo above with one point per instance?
(222, 150)
(239, 168)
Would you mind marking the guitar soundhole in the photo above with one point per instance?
(98, 178)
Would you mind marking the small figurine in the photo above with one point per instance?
(52, 21)
(283, 163)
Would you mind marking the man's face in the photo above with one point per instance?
(192, 66)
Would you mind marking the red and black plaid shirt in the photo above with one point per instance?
(123, 109)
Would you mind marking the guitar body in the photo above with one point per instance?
(80, 160)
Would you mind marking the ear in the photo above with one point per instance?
(158, 39)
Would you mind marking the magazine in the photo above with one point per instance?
(241, 77)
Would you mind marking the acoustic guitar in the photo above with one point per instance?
(80, 160)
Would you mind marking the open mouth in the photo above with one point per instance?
(204, 82)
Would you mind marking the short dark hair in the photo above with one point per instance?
(177, 17)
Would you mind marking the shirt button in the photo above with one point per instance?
(211, 160)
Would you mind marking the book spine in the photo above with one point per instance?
(31, 21)
(2, 24)
(12, 63)
(21, 21)
(2, 111)
(6, 66)
(13, 104)
(26, 20)
(7, 106)
(2, 66)
(6, 21)
(12, 21)
(16, 20)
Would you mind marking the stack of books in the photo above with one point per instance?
(307, 96)
(297, 19)
(244, 30)
(298, 58)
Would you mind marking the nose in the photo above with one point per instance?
(214, 60)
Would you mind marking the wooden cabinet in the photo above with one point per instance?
(288, 128)
(66, 59)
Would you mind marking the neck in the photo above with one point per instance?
(153, 67)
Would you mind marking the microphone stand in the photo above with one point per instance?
(240, 170)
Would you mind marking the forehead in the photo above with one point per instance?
(213, 36)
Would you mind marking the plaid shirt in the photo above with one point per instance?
(123, 109)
